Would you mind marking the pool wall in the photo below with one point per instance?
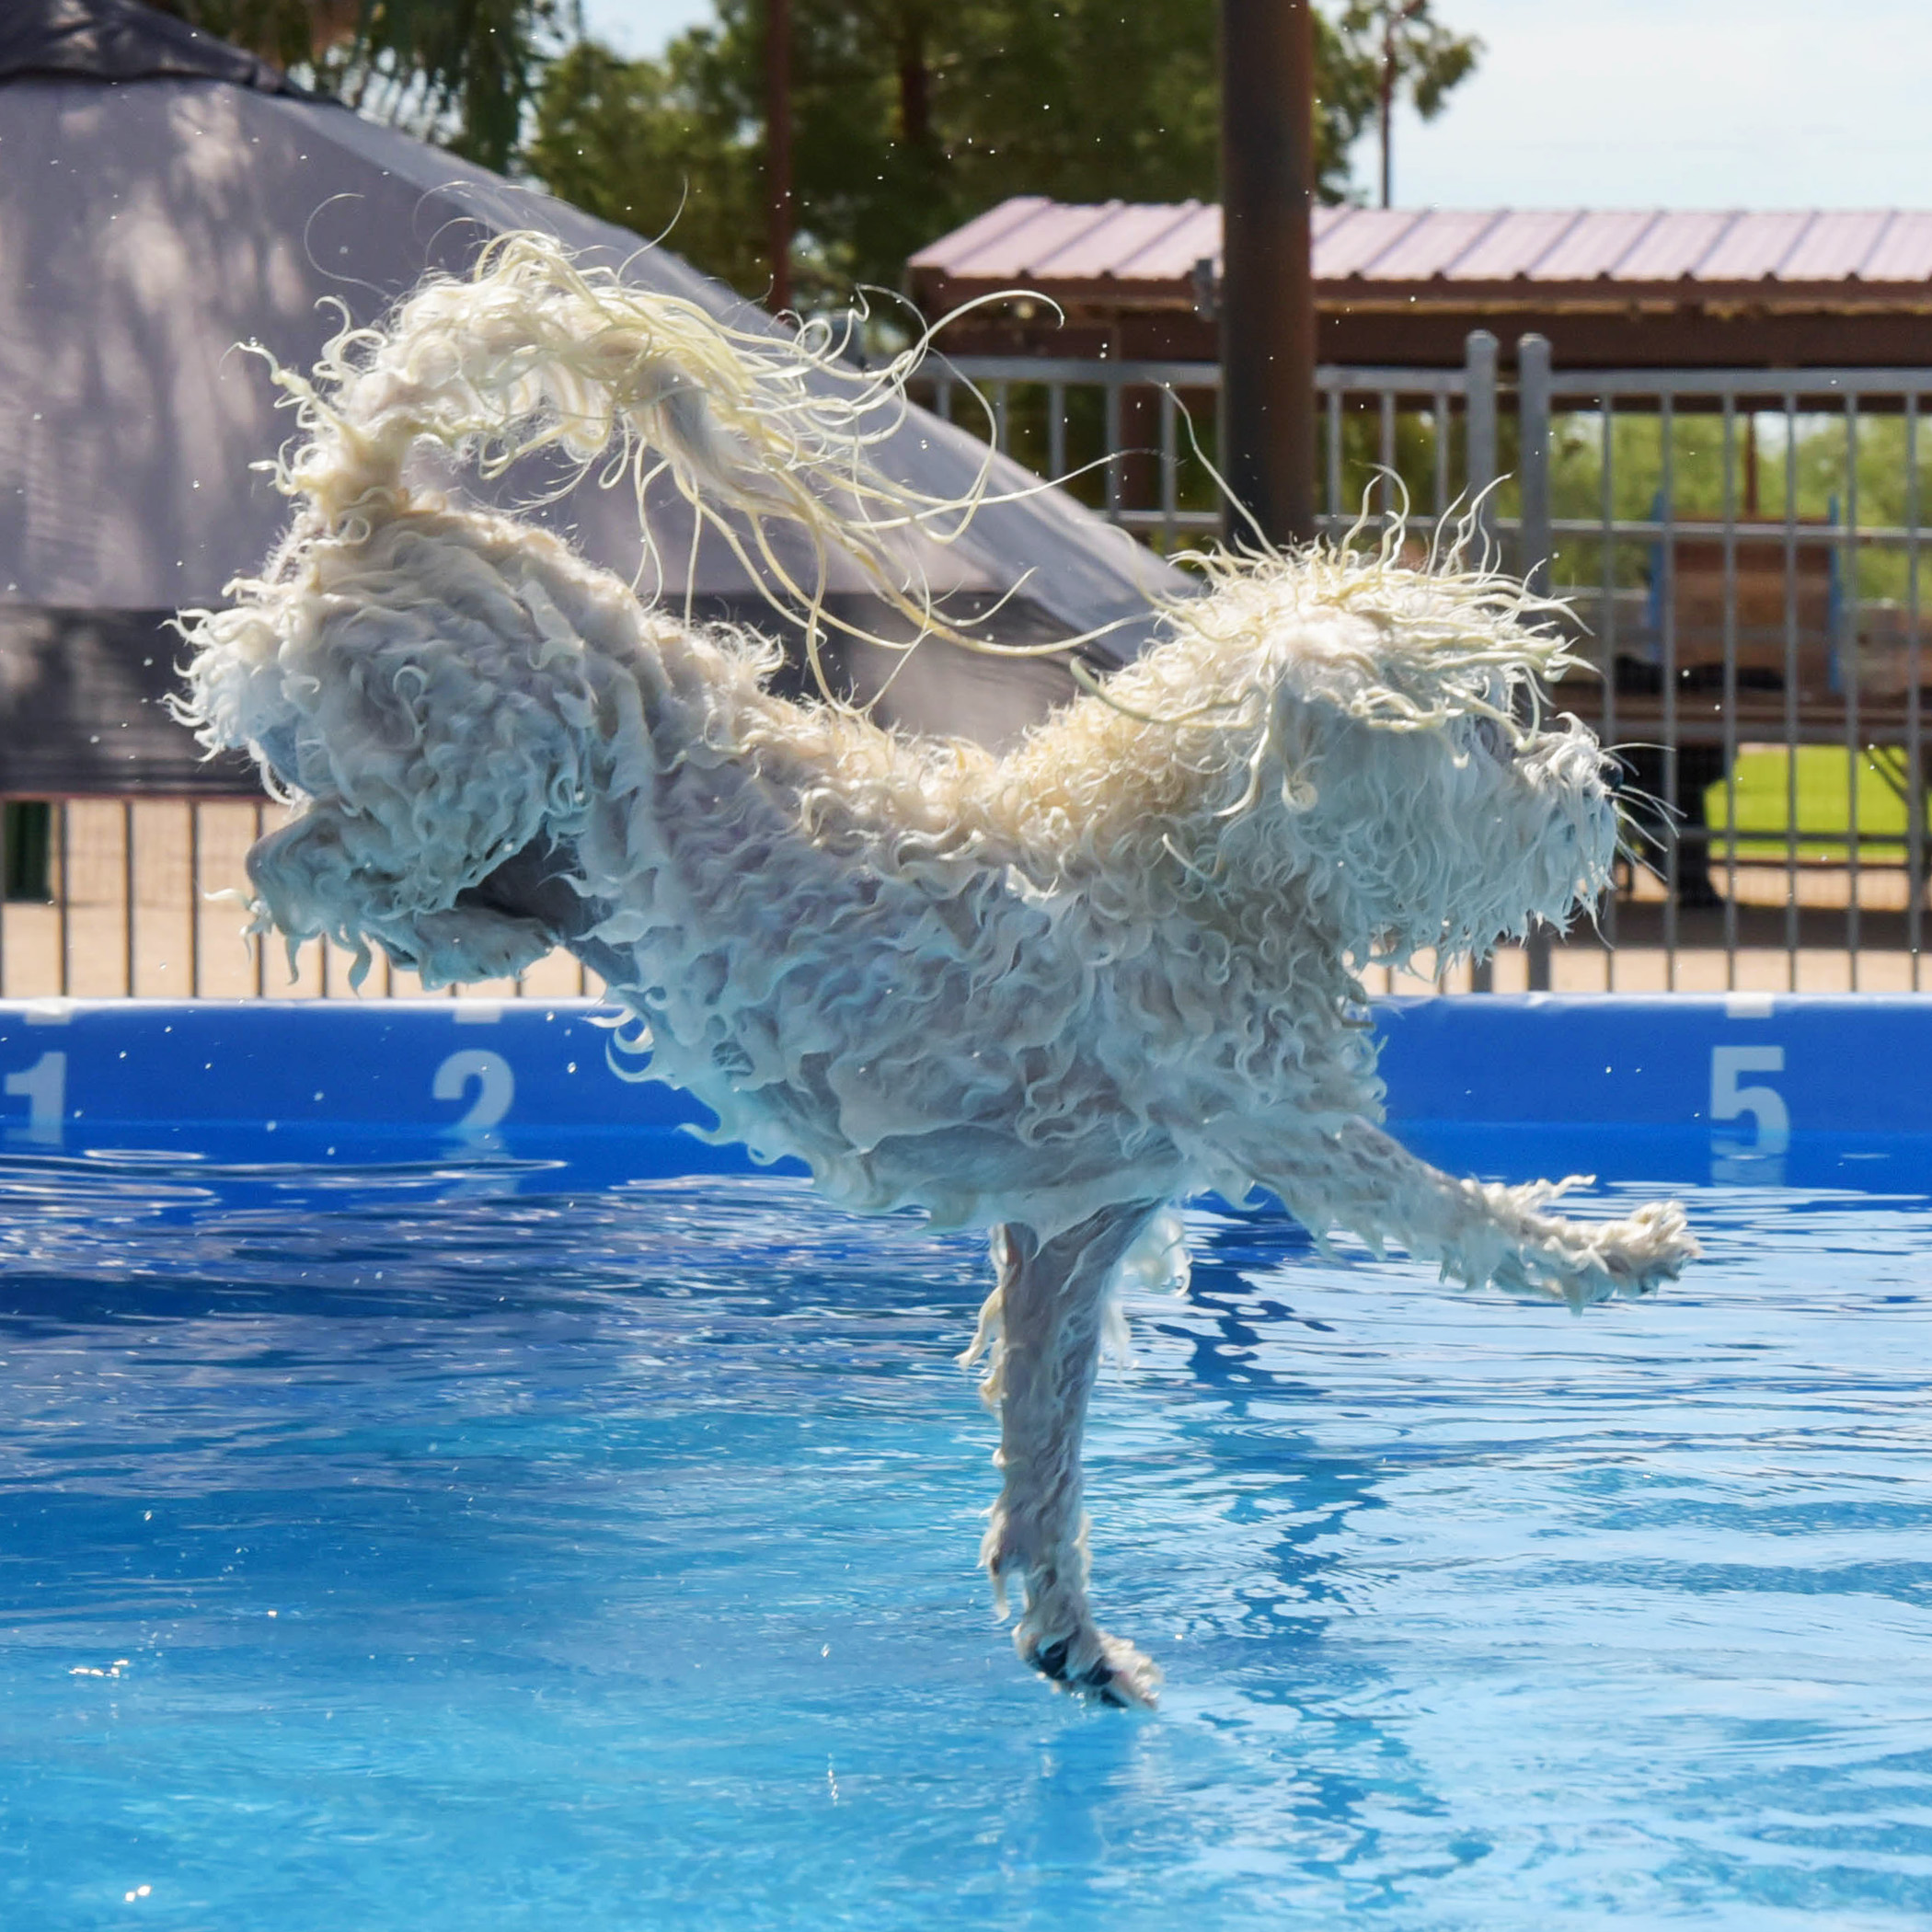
(1742, 1086)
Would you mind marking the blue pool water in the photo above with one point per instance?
(417, 1549)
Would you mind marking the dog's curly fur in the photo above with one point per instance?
(1044, 993)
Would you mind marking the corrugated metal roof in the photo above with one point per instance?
(1754, 247)
(1598, 235)
(1434, 246)
(1033, 239)
(1515, 243)
(998, 225)
(1829, 251)
(1669, 248)
(1903, 250)
(1127, 240)
(1345, 246)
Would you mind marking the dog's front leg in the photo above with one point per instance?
(1361, 1179)
(1041, 1329)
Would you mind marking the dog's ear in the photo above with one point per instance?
(441, 704)
(421, 692)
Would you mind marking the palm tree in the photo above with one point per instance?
(1412, 53)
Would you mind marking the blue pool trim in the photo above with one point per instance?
(1685, 1086)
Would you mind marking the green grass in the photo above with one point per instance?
(1824, 795)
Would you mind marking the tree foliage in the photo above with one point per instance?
(1412, 56)
(657, 146)
(910, 115)
(288, 32)
(459, 72)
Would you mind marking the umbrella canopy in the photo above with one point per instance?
(164, 197)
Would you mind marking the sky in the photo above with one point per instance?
(1633, 103)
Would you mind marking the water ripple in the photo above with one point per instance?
(422, 1548)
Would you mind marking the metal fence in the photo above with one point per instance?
(1739, 551)
(109, 898)
(1740, 554)
(1137, 439)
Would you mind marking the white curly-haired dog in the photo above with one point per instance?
(1046, 993)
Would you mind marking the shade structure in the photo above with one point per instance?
(1610, 288)
(165, 198)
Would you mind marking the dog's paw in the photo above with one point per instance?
(1056, 1633)
(1583, 1262)
(1593, 1260)
(1654, 1245)
(1091, 1663)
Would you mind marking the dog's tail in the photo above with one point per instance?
(536, 353)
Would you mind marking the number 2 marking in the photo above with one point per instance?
(496, 1087)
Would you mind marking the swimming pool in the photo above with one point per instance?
(462, 1533)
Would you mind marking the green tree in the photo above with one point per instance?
(290, 33)
(909, 117)
(1411, 53)
(658, 147)
(459, 72)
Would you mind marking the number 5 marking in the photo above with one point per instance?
(1765, 1105)
(496, 1087)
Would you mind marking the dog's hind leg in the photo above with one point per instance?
(1041, 1329)
(1361, 1179)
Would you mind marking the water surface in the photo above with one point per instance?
(401, 1550)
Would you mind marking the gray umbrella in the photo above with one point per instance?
(164, 197)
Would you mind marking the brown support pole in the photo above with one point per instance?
(777, 145)
(1267, 284)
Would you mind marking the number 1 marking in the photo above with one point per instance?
(44, 1087)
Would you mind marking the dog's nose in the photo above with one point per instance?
(1613, 776)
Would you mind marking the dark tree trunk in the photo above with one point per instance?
(1385, 104)
(915, 97)
(778, 147)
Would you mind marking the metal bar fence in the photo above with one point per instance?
(1730, 692)
(1791, 691)
(143, 897)
(1788, 649)
(1533, 547)
(1914, 750)
(1760, 673)
(1666, 569)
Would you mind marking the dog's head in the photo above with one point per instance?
(417, 694)
(1373, 753)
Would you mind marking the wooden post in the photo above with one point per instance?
(777, 146)
(1267, 281)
